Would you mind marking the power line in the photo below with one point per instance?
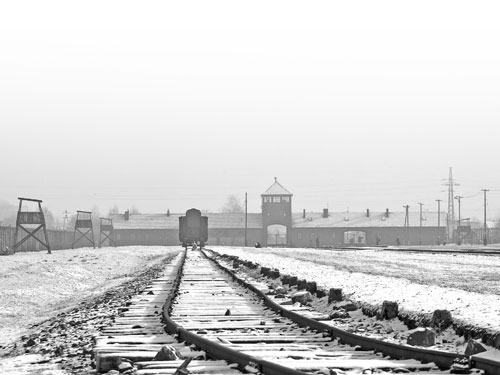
(485, 236)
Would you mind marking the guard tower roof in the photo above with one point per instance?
(276, 189)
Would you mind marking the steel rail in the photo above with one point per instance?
(219, 351)
(440, 358)
(216, 350)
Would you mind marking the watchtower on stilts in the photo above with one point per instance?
(105, 230)
(83, 226)
(31, 222)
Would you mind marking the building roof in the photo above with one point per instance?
(276, 189)
(312, 220)
(360, 220)
(162, 221)
(145, 221)
(220, 220)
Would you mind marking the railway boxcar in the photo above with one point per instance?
(193, 228)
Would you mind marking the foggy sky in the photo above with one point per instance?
(173, 105)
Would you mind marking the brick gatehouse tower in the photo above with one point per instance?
(276, 215)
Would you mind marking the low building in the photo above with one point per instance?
(277, 225)
(163, 229)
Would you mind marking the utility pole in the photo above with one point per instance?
(450, 220)
(420, 229)
(485, 237)
(246, 217)
(65, 219)
(407, 225)
(439, 221)
(459, 241)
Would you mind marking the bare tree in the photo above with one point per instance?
(50, 219)
(95, 218)
(70, 224)
(233, 205)
(114, 210)
(134, 211)
(8, 213)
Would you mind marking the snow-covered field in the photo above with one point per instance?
(36, 286)
(467, 285)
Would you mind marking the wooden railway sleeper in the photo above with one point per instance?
(220, 351)
(440, 358)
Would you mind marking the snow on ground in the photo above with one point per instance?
(35, 286)
(28, 365)
(466, 285)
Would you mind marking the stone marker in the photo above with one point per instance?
(320, 293)
(274, 274)
(301, 284)
(389, 310)
(311, 287)
(441, 319)
(334, 295)
(422, 337)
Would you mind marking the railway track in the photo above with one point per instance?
(230, 321)
(133, 343)
(215, 323)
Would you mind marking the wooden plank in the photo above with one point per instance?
(136, 339)
(308, 365)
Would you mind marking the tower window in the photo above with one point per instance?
(276, 199)
(285, 199)
(267, 199)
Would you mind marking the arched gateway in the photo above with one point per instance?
(276, 235)
(277, 215)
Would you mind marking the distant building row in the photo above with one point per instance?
(277, 225)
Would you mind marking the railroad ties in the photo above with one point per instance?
(138, 335)
(210, 305)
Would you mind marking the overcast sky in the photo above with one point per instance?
(359, 104)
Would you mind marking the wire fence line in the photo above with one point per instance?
(58, 240)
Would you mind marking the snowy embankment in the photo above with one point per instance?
(36, 286)
(464, 284)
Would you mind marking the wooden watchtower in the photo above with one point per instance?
(30, 222)
(105, 230)
(83, 226)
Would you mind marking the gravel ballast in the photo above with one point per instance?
(466, 285)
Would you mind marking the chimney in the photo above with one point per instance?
(325, 212)
(304, 214)
(367, 212)
(386, 212)
(127, 215)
